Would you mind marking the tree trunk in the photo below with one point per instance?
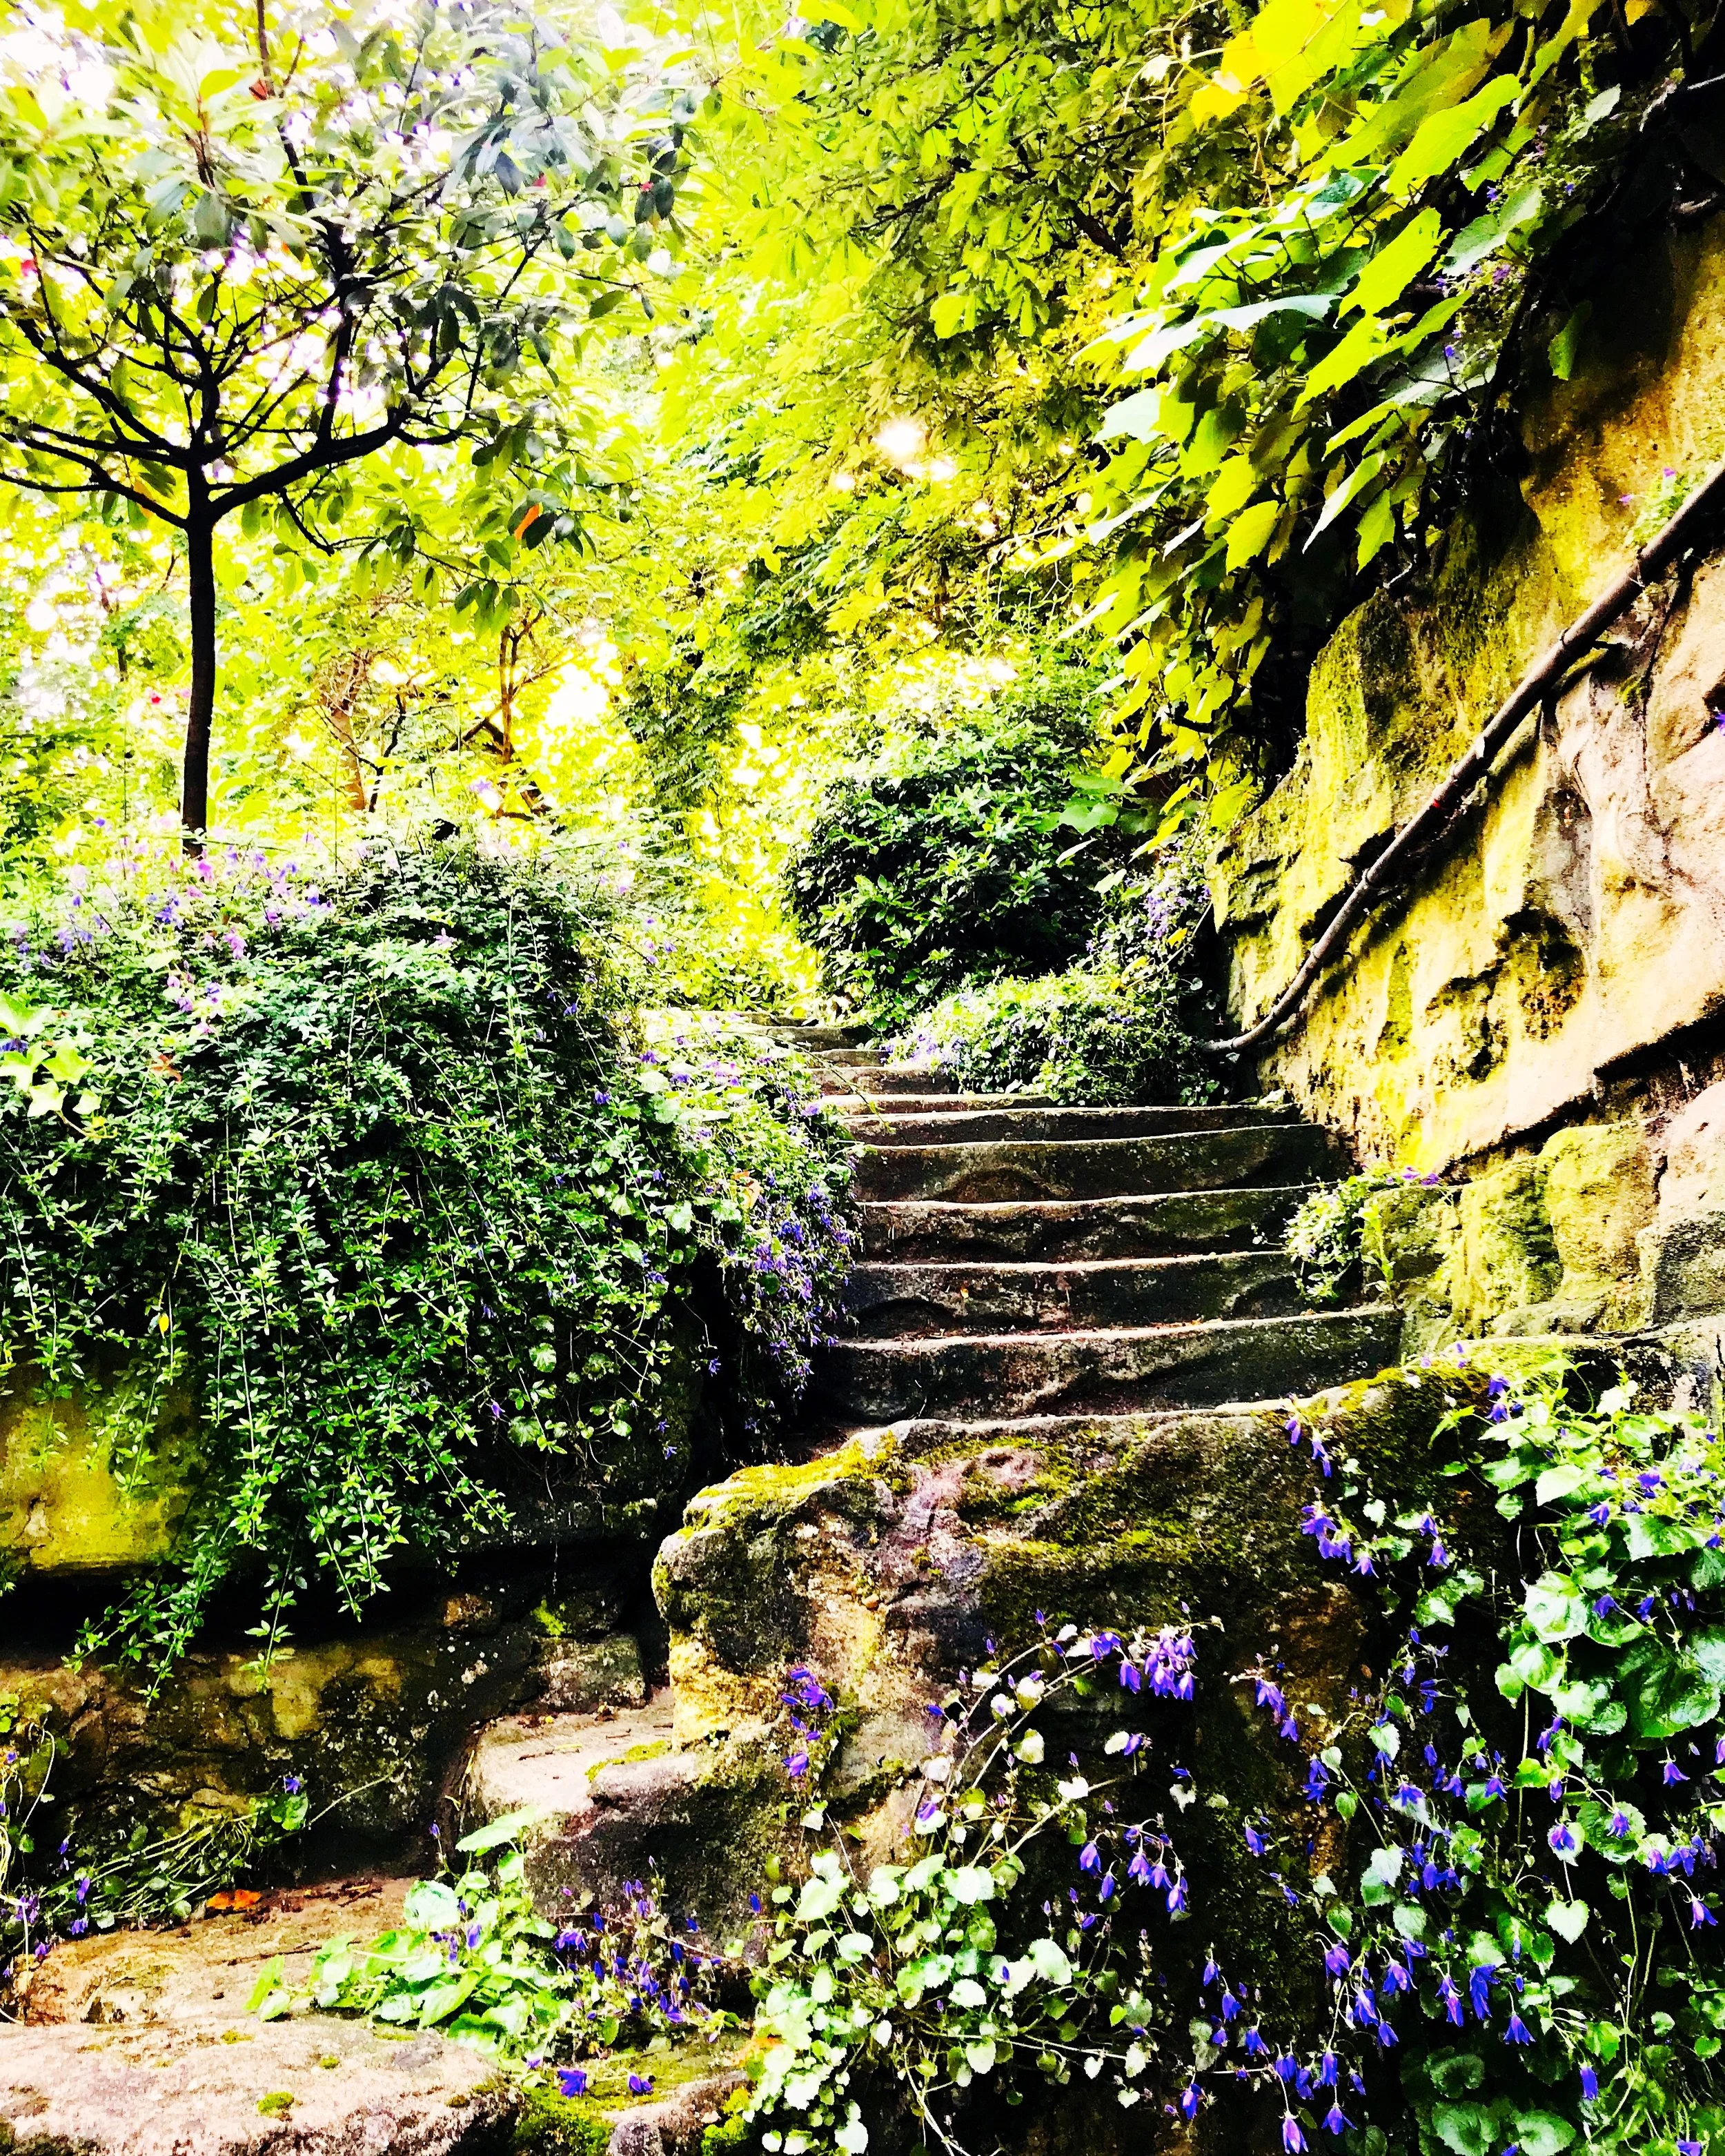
(200, 709)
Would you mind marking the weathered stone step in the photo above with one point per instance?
(870, 1107)
(821, 1038)
(967, 1124)
(1161, 1225)
(1108, 1372)
(905, 1300)
(873, 1078)
(1185, 1159)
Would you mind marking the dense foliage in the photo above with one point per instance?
(377, 1175)
(1117, 1029)
(1500, 1857)
(941, 866)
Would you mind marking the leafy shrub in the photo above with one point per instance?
(942, 866)
(380, 1175)
(1113, 1031)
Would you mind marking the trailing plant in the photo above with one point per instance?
(472, 1959)
(964, 1971)
(1326, 1237)
(1114, 1029)
(942, 866)
(1316, 353)
(378, 1175)
(57, 1885)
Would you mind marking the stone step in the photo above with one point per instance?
(968, 1122)
(1184, 1159)
(1163, 1225)
(1117, 1372)
(874, 1078)
(822, 1039)
(908, 1300)
(871, 1108)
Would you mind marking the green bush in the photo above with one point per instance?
(942, 866)
(1114, 1030)
(383, 1178)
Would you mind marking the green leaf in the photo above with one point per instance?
(510, 1827)
(1563, 347)
(1442, 140)
(268, 1982)
(1541, 2133)
(1250, 533)
(1390, 272)
(1567, 1919)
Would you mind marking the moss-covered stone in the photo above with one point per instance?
(1509, 1259)
(95, 1483)
(1599, 1196)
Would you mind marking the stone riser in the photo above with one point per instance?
(1097, 1168)
(1107, 1373)
(1166, 1225)
(884, 1300)
(878, 1078)
(964, 1124)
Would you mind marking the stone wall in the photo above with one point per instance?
(1576, 922)
(1530, 1015)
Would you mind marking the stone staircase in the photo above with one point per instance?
(1035, 1280)
(1023, 1261)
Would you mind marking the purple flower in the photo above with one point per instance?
(1090, 1858)
(1336, 2121)
(1562, 1839)
(1590, 2086)
(1189, 2101)
(641, 2084)
(1699, 1914)
(1254, 1839)
(292, 1784)
(1292, 2139)
(1672, 1772)
(1517, 2032)
(571, 2081)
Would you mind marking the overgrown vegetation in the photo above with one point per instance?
(941, 867)
(382, 1176)
(1496, 1861)
(1327, 1235)
(1117, 1028)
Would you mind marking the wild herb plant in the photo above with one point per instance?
(965, 1968)
(1326, 1237)
(379, 1178)
(472, 1959)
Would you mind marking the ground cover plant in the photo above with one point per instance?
(379, 1174)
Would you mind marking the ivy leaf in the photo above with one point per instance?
(1568, 1919)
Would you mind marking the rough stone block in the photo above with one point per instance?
(1411, 1238)
(1683, 1265)
(1599, 1196)
(1508, 1257)
(1694, 1178)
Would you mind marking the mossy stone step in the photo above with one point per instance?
(862, 1076)
(1115, 1371)
(1184, 1159)
(906, 1300)
(994, 1123)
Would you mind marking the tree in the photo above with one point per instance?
(239, 270)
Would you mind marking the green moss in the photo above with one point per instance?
(548, 2124)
